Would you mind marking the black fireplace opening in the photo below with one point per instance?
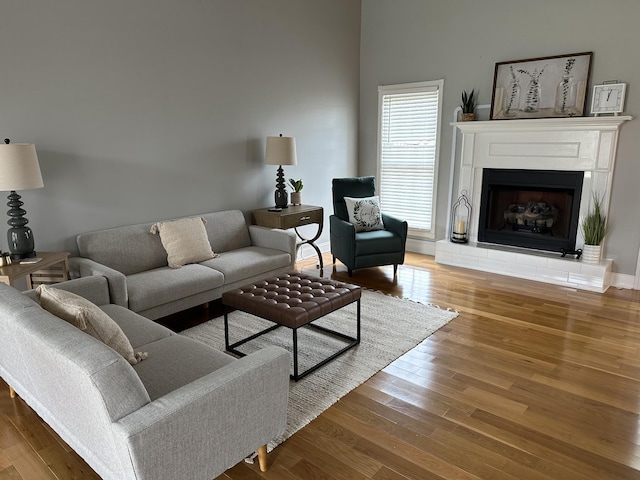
(537, 209)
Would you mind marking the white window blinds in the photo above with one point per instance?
(409, 117)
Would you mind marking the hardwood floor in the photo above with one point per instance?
(531, 381)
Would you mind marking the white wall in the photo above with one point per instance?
(461, 41)
(150, 109)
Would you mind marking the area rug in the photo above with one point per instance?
(390, 326)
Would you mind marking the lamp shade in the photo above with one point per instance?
(19, 167)
(281, 151)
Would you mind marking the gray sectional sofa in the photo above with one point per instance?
(187, 411)
(135, 263)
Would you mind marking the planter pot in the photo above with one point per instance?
(467, 117)
(296, 198)
(591, 254)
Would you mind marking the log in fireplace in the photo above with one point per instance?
(537, 209)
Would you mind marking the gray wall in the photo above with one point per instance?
(461, 40)
(151, 109)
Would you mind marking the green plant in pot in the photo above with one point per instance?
(468, 106)
(296, 196)
(594, 229)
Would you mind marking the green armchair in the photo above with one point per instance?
(363, 249)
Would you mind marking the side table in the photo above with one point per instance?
(293, 216)
(53, 268)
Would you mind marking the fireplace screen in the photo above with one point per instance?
(536, 209)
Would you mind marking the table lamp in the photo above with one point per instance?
(19, 170)
(281, 151)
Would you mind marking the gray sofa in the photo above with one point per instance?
(187, 411)
(135, 263)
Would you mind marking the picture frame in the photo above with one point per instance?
(543, 87)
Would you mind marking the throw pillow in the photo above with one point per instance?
(184, 240)
(364, 213)
(85, 315)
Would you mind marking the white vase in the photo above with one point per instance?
(591, 254)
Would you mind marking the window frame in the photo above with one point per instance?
(430, 85)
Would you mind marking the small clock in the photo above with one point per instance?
(608, 98)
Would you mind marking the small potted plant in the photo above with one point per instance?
(296, 196)
(594, 229)
(468, 106)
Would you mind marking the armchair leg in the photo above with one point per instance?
(12, 392)
(395, 269)
(262, 458)
(350, 272)
(334, 259)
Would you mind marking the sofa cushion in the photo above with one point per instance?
(88, 317)
(236, 265)
(185, 241)
(176, 361)
(165, 285)
(364, 213)
(139, 330)
(227, 230)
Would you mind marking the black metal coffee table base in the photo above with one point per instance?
(232, 348)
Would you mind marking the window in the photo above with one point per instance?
(408, 145)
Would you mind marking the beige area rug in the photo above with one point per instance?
(390, 326)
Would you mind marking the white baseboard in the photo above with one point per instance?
(421, 246)
(623, 280)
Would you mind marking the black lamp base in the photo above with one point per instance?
(281, 195)
(19, 236)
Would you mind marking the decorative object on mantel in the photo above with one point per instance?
(555, 87)
(594, 228)
(20, 171)
(296, 196)
(608, 98)
(281, 151)
(468, 106)
(460, 217)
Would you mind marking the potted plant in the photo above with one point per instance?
(594, 229)
(296, 197)
(468, 106)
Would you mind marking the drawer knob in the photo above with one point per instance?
(304, 218)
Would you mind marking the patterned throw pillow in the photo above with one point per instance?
(184, 240)
(365, 213)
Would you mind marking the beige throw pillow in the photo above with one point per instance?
(85, 315)
(185, 241)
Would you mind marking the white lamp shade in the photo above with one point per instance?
(19, 167)
(281, 151)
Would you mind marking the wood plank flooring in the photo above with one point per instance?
(530, 382)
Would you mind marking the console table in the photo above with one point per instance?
(293, 216)
(53, 268)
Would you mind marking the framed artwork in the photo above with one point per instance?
(542, 87)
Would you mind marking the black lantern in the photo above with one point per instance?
(460, 217)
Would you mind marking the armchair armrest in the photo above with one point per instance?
(397, 226)
(209, 425)
(284, 240)
(84, 267)
(343, 240)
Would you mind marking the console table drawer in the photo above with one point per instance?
(302, 218)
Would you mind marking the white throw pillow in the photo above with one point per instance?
(81, 313)
(184, 240)
(365, 213)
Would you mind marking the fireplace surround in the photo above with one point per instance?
(586, 145)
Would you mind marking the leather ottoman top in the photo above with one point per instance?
(292, 299)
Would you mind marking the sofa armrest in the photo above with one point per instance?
(209, 425)
(94, 288)
(84, 267)
(284, 240)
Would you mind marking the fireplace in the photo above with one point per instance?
(579, 155)
(537, 209)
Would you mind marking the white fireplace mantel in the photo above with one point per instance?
(585, 144)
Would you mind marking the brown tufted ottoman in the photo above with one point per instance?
(293, 300)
